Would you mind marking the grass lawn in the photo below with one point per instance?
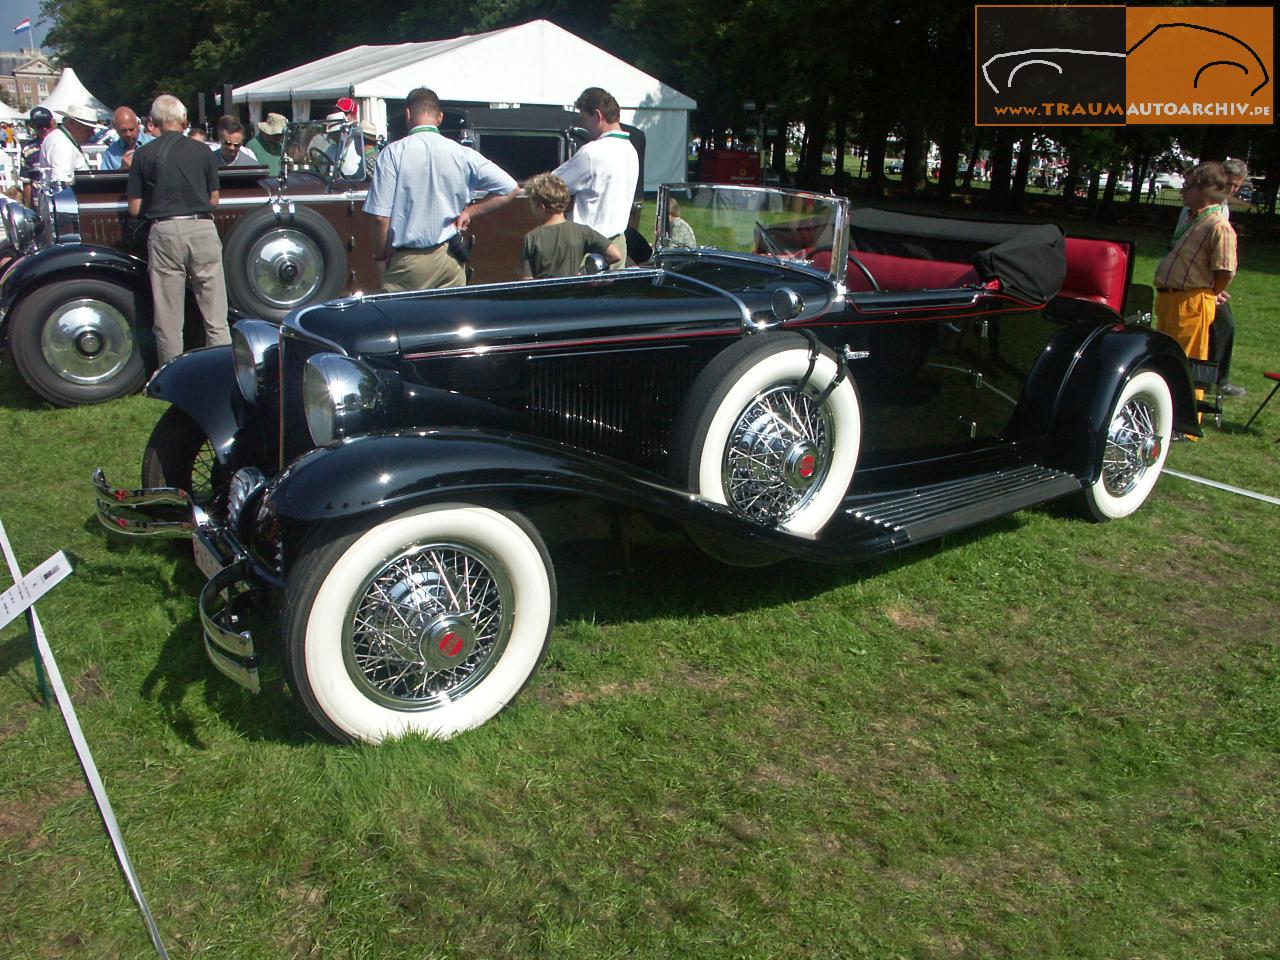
(1043, 738)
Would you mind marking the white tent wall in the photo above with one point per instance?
(666, 138)
(533, 64)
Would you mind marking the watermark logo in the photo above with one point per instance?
(1111, 66)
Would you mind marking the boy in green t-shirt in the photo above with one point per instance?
(557, 248)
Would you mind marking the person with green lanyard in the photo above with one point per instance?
(1222, 332)
(1192, 279)
(603, 174)
(418, 200)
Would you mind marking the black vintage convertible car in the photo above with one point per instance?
(787, 380)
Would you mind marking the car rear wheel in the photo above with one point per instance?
(428, 623)
(76, 342)
(1138, 434)
(279, 261)
(772, 431)
(179, 454)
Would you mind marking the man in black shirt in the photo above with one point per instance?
(173, 184)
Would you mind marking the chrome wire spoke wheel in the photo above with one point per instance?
(203, 469)
(777, 454)
(428, 625)
(1133, 446)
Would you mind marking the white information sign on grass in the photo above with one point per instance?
(15, 600)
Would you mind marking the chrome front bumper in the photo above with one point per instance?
(164, 512)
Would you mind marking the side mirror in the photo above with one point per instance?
(593, 264)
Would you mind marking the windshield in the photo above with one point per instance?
(783, 224)
(317, 146)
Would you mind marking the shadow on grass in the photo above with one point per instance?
(14, 392)
(681, 581)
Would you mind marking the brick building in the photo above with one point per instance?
(27, 77)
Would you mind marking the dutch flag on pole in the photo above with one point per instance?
(24, 25)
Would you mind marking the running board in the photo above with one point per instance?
(926, 512)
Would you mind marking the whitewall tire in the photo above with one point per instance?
(1138, 434)
(762, 434)
(429, 622)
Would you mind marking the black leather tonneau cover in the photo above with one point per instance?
(1028, 259)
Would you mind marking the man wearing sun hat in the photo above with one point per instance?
(327, 143)
(268, 143)
(61, 151)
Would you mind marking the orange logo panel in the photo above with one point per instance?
(1199, 65)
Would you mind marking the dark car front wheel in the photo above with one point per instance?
(178, 454)
(279, 261)
(1138, 434)
(76, 342)
(772, 431)
(429, 622)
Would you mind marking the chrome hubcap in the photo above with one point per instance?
(286, 267)
(1133, 447)
(777, 455)
(428, 626)
(86, 341)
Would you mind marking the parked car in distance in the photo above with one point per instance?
(75, 307)
(790, 382)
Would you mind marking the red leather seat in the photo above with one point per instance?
(1097, 271)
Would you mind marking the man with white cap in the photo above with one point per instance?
(60, 151)
(327, 143)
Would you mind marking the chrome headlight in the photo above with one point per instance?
(20, 226)
(255, 348)
(341, 396)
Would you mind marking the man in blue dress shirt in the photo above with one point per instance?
(418, 200)
(119, 155)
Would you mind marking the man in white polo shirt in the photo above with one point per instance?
(602, 175)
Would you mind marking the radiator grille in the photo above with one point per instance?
(619, 405)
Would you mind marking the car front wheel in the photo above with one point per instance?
(76, 342)
(772, 431)
(1138, 434)
(178, 454)
(429, 622)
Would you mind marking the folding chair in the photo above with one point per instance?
(1205, 376)
(1269, 376)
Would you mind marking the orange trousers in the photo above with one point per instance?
(1186, 315)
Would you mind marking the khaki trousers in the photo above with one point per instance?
(423, 270)
(182, 250)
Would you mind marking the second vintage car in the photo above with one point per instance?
(785, 381)
(75, 303)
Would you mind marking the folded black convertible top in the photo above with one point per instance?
(1028, 259)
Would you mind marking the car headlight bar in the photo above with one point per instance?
(341, 397)
(255, 347)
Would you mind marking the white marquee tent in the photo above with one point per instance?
(69, 92)
(536, 63)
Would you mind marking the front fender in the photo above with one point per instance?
(1095, 376)
(384, 474)
(202, 384)
(66, 261)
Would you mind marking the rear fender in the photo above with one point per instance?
(202, 384)
(70, 261)
(1096, 375)
(380, 475)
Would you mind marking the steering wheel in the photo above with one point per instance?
(320, 160)
(865, 272)
(770, 244)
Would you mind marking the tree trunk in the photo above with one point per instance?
(1069, 184)
(815, 137)
(1001, 160)
(974, 154)
(949, 149)
(915, 155)
(1019, 186)
(1139, 176)
(877, 136)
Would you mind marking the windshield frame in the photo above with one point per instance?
(663, 243)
